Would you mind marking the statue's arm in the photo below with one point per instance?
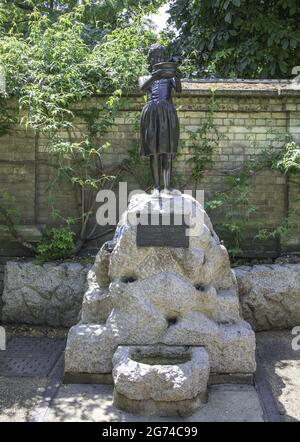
(145, 82)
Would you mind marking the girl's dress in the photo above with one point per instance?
(159, 121)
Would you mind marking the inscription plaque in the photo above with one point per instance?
(160, 235)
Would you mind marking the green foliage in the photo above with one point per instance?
(8, 201)
(238, 38)
(11, 217)
(121, 57)
(6, 118)
(56, 244)
(56, 53)
(204, 140)
(51, 64)
(236, 206)
(54, 67)
(281, 230)
(15, 59)
(235, 202)
(98, 17)
(288, 161)
(138, 167)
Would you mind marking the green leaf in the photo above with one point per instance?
(228, 17)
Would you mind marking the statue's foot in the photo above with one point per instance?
(171, 191)
(155, 192)
(166, 191)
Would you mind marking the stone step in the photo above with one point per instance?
(90, 348)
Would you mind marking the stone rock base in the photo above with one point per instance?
(161, 319)
(270, 295)
(43, 294)
(150, 407)
(89, 349)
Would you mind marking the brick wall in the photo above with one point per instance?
(247, 112)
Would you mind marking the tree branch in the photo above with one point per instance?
(13, 231)
(23, 6)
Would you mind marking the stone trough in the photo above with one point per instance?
(160, 380)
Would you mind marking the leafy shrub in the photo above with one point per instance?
(55, 244)
(56, 56)
(237, 38)
(289, 161)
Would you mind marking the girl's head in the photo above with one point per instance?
(156, 54)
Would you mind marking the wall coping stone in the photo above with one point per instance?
(224, 87)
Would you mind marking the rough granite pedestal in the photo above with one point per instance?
(161, 298)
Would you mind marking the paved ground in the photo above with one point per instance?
(94, 403)
(19, 396)
(281, 367)
(274, 397)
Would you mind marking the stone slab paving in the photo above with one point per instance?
(275, 396)
(93, 403)
(19, 396)
(281, 366)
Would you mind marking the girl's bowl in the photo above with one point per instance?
(166, 65)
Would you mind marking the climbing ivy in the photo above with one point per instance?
(236, 204)
(51, 67)
(203, 141)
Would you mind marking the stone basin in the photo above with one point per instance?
(162, 360)
(160, 380)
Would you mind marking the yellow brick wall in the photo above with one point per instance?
(241, 117)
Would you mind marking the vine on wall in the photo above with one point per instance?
(51, 67)
(236, 202)
(203, 141)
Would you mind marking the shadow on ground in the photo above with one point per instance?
(281, 365)
(79, 402)
(19, 396)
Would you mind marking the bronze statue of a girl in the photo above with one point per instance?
(159, 121)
